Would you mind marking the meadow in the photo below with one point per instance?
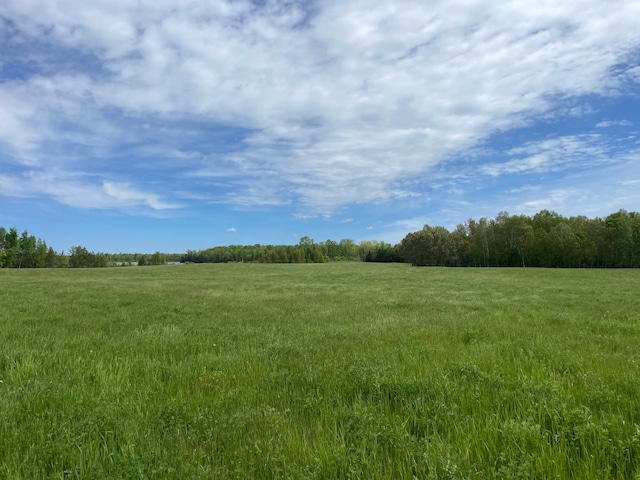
(319, 371)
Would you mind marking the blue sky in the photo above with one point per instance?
(174, 125)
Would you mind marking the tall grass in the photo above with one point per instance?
(343, 370)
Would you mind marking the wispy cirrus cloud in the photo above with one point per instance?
(75, 190)
(411, 224)
(552, 154)
(609, 123)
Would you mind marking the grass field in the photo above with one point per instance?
(329, 371)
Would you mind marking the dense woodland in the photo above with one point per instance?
(546, 239)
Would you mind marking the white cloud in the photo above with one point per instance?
(552, 155)
(524, 188)
(345, 104)
(128, 195)
(582, 199)
(77, 191)
(411, 224)
(231, 230)
(553, 200)
(608, 123)
(634, 73)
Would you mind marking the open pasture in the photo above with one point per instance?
(327, 371)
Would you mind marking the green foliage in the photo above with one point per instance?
(25, 251)
(375, 251)
(307, 251)
(158, 259)
(545, 240)
(80, 257)
(10, 248)
(323, 371)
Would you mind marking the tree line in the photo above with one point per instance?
(27, 251)
(306, 251)
(546, 239)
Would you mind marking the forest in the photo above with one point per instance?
(546, 239)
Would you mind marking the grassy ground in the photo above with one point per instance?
(343, 370)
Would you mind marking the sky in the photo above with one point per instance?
(165, 125)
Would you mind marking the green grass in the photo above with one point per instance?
(342, 370)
